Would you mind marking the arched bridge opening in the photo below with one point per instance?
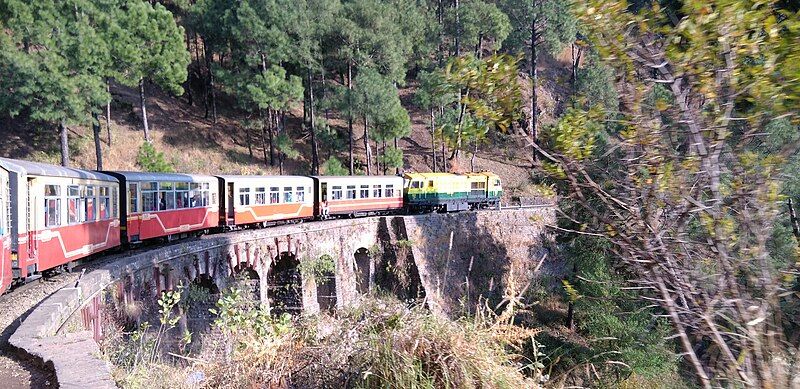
(362, 262)
(285, 285)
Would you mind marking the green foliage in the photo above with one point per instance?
(478, 20)
(392, 158)
(249, 326)
(52, 59)
(595, 87)
(576, 133)
(618, 326)
(319, 267)
(333, 167)
(148, 44)
(554, 24)
(151, 160)
(491, 98)
(285, 145)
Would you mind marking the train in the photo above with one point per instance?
(54, 216)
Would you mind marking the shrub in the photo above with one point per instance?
(152, 160)
(333, 167)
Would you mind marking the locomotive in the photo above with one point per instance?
(53, 216)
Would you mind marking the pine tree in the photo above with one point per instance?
(51, 56)
(148, 47)
(537, 25)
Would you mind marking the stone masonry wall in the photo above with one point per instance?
(450, 259)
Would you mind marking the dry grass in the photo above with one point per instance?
(381, 343)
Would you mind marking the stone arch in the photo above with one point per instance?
(285, 285)
(248, 279)
(207, 283)
(326, 286)
(362, 270)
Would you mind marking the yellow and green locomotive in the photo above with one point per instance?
(447, 192)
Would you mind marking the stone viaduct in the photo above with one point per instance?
(445, 260)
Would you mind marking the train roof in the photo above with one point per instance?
(352, 177)
(47, 170)
(255, 177)
(440, 175)
(150, 176)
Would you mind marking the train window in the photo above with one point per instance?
(73, 204)
(430, 183)
(274, 196)
(181, 195)
(195, 195)
(261, 196)
(497, 182)
(416, 184)
(104, 206)
(300, 194)
(364, 192)
(376, 191)
(133, 198)
(389, 191)
(89, 204)
(52, 205)
(287, 194)
(336, 193)
(150, 198)
(244, 196)
(351, 191)
(166, 196)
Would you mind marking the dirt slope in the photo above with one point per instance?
(194, 144)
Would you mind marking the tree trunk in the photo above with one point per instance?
(479, 46)
(273, 125)
(211, 85)
(189, 79)
(433, 139)
(200, 71)
(440, 19)
(532, 74)
(264, 127)
(458, 30)
(249, 141)
(367, 147)
(472, 160)
(350, 114)
(577, 53)
(444, 153)
(312, 127)
(108, 111)
(62, 132)
(142, 99)
(98, 151)
(397, 168)
(793, 220)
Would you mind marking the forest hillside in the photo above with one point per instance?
(667, 128)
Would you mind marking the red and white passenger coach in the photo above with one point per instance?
(6, 276)
(264, 200)
(357, 195)
(57, 215)
(167, 204)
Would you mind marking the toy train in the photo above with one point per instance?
(53, 216)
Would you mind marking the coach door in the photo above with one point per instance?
(33, 211)
(231, 215)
